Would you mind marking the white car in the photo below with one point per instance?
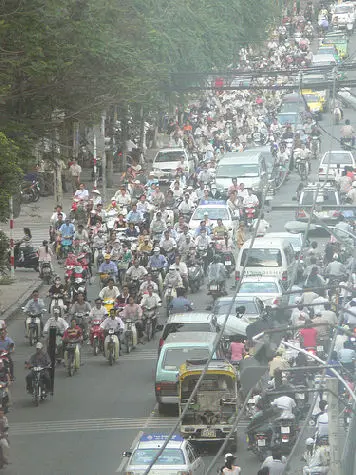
(178, 457)
(167, 160)
(215, 210)
(267, 289)
(334, 162)
(343, 14)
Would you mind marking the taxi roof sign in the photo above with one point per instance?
(156, 437)
(213, 202)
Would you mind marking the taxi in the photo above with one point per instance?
(178, 458)
(315, 104)
(309, 79)
(211, 211)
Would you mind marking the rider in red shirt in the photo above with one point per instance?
(74, 332)
(308, 337)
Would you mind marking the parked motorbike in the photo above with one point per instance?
(26, 257)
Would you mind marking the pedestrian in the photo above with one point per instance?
(75, 171)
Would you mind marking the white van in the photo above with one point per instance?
(167, 160)
(267, 257)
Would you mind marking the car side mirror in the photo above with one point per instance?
(294, 198)
(126, 453)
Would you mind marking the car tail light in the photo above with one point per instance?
(164, 385)
(336, 213)
(185, 472)
(237, 275)
(284, 276)
(301, 213)
(161, 342)
(276, 302)
(321, 170)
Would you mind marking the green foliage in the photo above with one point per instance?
(11, 173)
(4, 257)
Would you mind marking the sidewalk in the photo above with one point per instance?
(36, 217)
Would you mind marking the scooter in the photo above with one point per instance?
(39, 392)
(26, 257)
(4, 396)
(30, 192)
(195, 277)
(112, 340)
(46, 272)
(33, 328)
(96, 337)
(130, 335)
(216, 289)
(150, 322)
(249, 215)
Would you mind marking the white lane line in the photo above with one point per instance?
(124, 460)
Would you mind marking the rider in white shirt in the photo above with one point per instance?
(250, 200)
(287, 404)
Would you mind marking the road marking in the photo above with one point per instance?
(133, 445)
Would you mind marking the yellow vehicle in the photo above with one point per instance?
(315, 79)
(109, 304)
(315, 104)
(211, 414)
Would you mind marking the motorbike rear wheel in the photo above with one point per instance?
(71, 364)
(149, 329)
(111, 354)
(128, 342)
(33, 337)
(96, 347)
(36, 394)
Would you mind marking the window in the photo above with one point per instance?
(173, 156)
(324, 196)
(221, 308)
(262, 258)
(237, 170)
(337, 159)
(259, 287)
(186, 327)
(169, 457)
(174, 357)
(213, 213)
(190, 453)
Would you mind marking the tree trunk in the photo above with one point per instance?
(110, 153)
(57, 177)
(125, 136)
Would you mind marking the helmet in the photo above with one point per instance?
(172, 268)
(229, 456)
(156, 249)
(107, 256)
(39, 346)
(309, 441)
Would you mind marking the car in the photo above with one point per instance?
(241, 81)
(167, 160)
(177, 349)
(270, 162)
(216, 210)
(341, 15)
(323, 60)
(308, 79)
(327, 195)
(179, 456)
(188, 322)
(334, 161)
(315, 104)
(294, 107)
(268, 289)
(291, 118)
(237, 326)
(296, 240)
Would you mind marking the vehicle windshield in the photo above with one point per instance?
(262, 258)
(174, 357)
(311, 98)
(324, 196)
(340, 9)
(312, 79)
(169, 457)
(171, 156)
(213, 213)
(185, 327)
(337, 158)
(287, 118)
(291, 107)
(259, 287)
(220, 308)
(238, 170)
(326, 51)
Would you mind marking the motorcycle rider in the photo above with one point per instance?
(157, 226)
(45, 255)
(133, 311)
(251, 200)
(351, 195)
(261, 224)
(108, 267)
(217, 273)
(57, 289)
(67, 230)
(186, 207)
(173, 278)
(180, 303)
(150, 303)
(275, 463)
(98, 312)
(110, 292)
(148, 281)
(56, 321)
(335, 268)
(122, 197)
(39, 358)
(167, 244)
(220, 231)
(7, 345)
(135, 272)
(83, 307)
(35, 306)
(343, 230)
(229, 466)
(158, 261)
(113, 322)
(347, 133)
(134, 216)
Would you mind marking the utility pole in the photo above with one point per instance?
(333, 414)
(103, 159)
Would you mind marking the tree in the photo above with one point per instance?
(11, 173)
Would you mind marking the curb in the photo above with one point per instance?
(12, 310)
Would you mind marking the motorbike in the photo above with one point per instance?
(346, 144)
(285, 434)
(112, 355)
(216, 289)
(150, 322)
(195, 277)
(57, 302)
(130, 335)
(301, 167)
(261, 445)
(66, 246)
(30, 192)
(96, 337)
(46, 272)
(80, 319)
(4, 396)
(315, 147)
(72, 357)
(25, 257)
(33, 328)
(39, 392)
(249, 215)
(169, 295)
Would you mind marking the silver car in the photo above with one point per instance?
(178, 458)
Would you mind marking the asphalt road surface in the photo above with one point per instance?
(97, 414)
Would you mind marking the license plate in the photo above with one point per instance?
(228, 263)
(213, 287)
(251, 401)
(33, 325)
(210, 433)
(261, 442)
(300, 396)
(285, 440)
(319, 348)
(285, 430)
(348, 420)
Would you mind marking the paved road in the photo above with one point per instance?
(97, 414)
